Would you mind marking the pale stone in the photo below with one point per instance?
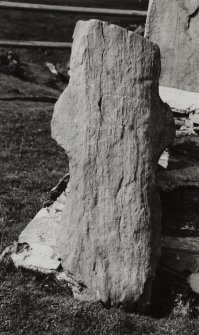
(38, 257)
(44, 212)
(184, 101)
(39, 239)
(164, 159)
(195, 118)
(185, 106)
(114, 127)
(42, 230)
(174, 26)
(194, 282)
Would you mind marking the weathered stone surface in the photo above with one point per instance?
(113, 126)
(37, 256)
(180, 101)
(174, 26)
(38, 241)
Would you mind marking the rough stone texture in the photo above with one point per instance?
(174, 26)
(183, 102)
(38, 241)
(113, 126)
(37, 256)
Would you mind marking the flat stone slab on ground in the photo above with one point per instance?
(38, 241)
(181, 100)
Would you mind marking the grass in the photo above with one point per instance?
(30, 303)
(34, 304)
(30, 163)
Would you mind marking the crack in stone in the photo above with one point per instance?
(191, 16)
(119, 186)
(100, 103)
(100, 88)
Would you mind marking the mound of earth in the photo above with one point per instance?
(44, 74)
(11, 86)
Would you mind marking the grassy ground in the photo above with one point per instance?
(33, 305)
(31, 164)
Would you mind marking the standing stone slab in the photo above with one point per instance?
(113, 126)
(174, 26)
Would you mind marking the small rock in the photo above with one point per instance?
(194, 282)
(195, 118)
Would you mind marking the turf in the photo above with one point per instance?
(33, 304)
(30, 163)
